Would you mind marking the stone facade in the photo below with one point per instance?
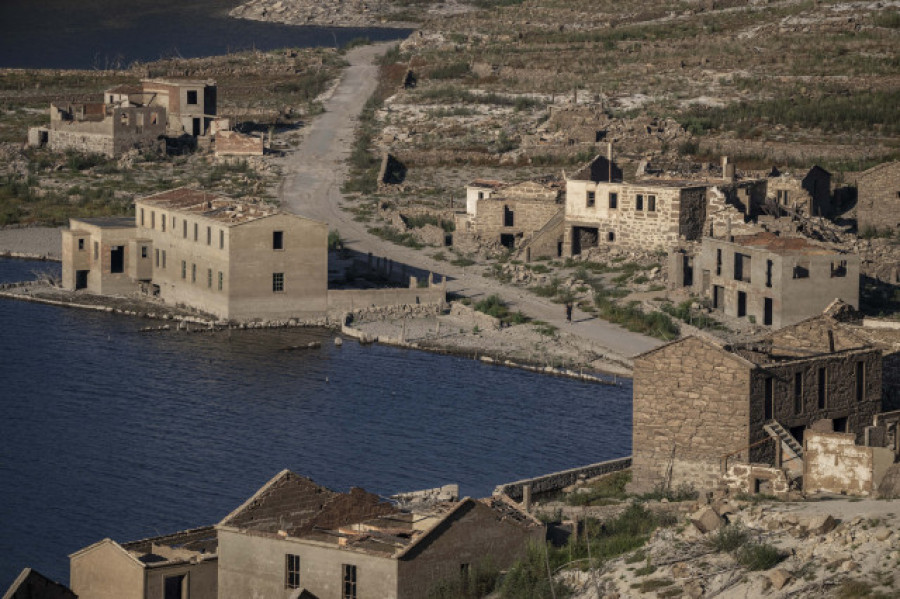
(105, 129)
(806, 195)
(878, 198)
(777, 281)
(31, 584)
(511, 215)
(834, 463)
(696, 402)
(104, 256)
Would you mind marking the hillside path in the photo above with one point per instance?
(315, 170)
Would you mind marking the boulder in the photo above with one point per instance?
(779, 577)
(707, 520)
(819, 524)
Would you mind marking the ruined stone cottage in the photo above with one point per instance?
(807, 194)
(698, 402)
(131, 117)
(773, 280)
(525, 216)
(878, 198)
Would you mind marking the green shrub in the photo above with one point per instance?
(759, 556)
(454, 70)
(728, 538)
(528, 578)
(494, 306)
(473, 583)
(391, 234)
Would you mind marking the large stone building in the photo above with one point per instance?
(233, 259)
(878, 198)
(776, 281)
(529, 213)
(602, 209)
(131, 117)
(294, 538)
(697, 402)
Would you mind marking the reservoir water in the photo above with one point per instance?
(108, 432)
(99, 34)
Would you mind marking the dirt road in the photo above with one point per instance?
(315, 170)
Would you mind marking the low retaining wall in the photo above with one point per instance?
(555, 481)
(348, 300)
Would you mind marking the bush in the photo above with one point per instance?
(528, 578)
(496, 307)
(473, 584)
(728, 538)
(759, 556)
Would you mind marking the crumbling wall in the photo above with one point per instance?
(555, 481)
(833, 463)
(756, 478)
(878, 198)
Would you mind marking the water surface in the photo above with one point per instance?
(108, 432)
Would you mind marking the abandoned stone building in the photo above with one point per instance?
(233, 259)
(806, 195)
(525, 216)
(295, 538)
(175, 566)
(878, 198)
(769, 279)
(699, 403)
(131, 117)
(31, 584)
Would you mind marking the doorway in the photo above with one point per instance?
(117, 259)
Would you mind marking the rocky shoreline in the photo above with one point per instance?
(345, 13)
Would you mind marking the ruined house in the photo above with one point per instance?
(131, 117)
(294, 538)
(176, 566)
(699, 403)
(803, 195)
(525, 216)
(234, 259)
(878, 198)
(773, 280)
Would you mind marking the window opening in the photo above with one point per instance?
(278, 282)
(277, 240)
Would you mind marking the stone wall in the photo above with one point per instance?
(833, 463)
(528, 216)
(556, 481)
(89, 143)
(348, 300)
(878, 198)
(690, 409)
(756, 478)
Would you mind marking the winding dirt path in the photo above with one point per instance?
(315, 170)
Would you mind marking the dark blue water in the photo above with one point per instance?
(98, 34)
(109, 432)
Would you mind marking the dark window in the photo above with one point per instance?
(221, 239)
(349, 587)
(613, 201)
(741, 304)
(162, 222)
(801, 270)
(183, 269)
(611, 236)
(798, 393)
(142, 217)
(209, 278)
(173, 224)
(718, 262)
(741, 267)
(860, 381)
(591, 196)
(152, 220)
(509, 217)
(144, 250)
(220, 280)
(81, 244)
(767, 311)
(173, 587)
(196, 231)
(292, 571)
(192, 96)
(768, 273)
(193, 273)
(651, 203)
(277, 240)
(770, 398)
(117, 259)
(155, 255)
(164, 258)
(823, 388)
(639, 202)
(718, 297)
(208, 235)
(278, 282)
(839, 269)
(184, 228)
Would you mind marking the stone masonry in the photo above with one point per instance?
(878, 203)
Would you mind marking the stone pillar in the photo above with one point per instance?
(526, 497)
